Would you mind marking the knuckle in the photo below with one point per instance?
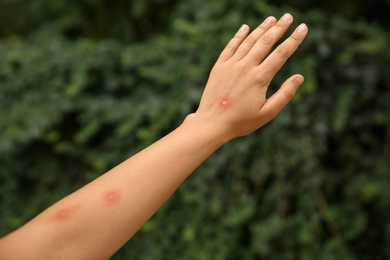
(294, 37)
(288, 94)
(233, 42)
(264, 26)
(281, 25)
(263, 77)
(267, 39)
(283, 51)
(262, 81)
(250, 40)
(237, 38)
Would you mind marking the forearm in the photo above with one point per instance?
(103, 215)
(150, 177)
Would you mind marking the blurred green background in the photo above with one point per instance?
(85, 84)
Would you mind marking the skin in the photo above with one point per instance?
(98, 219)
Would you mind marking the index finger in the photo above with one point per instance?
(274, 62)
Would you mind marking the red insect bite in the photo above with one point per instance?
(225, 102)
(66, 213)
(112, 197)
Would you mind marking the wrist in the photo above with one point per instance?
(216, 132)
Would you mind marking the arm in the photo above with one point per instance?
(95, 221)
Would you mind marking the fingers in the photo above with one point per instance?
(274, 62)
(265, 43)
(234, 43)
(251, 40)
(280, 99)
(259, 43)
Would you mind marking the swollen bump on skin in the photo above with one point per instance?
(65, 213)
(225, 102)
(112, 197)
(61, 215)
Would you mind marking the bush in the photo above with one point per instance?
(310, 185)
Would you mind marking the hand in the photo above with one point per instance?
(235, 94)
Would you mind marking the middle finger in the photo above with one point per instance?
(264, 45)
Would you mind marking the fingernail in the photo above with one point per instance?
(302, 28)
(243, 28)
(270, 20)
(287, 17)
(298, 80)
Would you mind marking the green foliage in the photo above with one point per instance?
(86, 84)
